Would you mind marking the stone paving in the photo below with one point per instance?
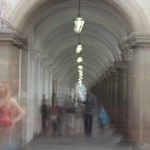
(101, 142)
(98, 141)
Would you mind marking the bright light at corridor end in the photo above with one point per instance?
(79, 23)
(80, 82)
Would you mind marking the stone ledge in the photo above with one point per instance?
(120, 65)
(135, 39)
(14, 40)
(138, 39)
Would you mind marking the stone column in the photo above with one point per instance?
(59, 87)
(100, 90)
(56, 86)
(107, 94)
(9, 60)
(121, 68)
(110, 98)
(11, 64)
(114, 76)
(127, 56)
(50, 84)
(31, 108)
(97, 89)
(46, 80)
(105, 91)
(41, 78)
(138, 94)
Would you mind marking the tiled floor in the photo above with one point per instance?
(103, 142)
(107, 141)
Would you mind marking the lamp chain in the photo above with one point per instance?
(79, 9)
(79, 39)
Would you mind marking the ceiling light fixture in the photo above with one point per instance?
(79, 59)
(79, 22)
(79, 49)
(80, 67)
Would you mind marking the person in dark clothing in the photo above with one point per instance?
(44, 112)
(90, 106)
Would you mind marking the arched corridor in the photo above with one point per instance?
(38, 50)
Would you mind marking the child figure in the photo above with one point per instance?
(102, 117)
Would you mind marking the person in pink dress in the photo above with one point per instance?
(10, 114)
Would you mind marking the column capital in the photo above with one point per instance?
(33, 54)
(51, 67)
(100, 80)
(138, 39)
(114, 73)
(120, 65)
(127, 55)
(108, 73)
(112, 69)
(104, 76)
(135, 39)
(14, 39)
(8, 33)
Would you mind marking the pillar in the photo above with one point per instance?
(110, 99)
(121, 100)
(11, 64)
(50, 85)
(138, 83)
(114, 76)
(105, 91)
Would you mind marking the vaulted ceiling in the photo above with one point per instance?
(107, 22)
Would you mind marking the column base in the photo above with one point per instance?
(119, 129)
(127, 136)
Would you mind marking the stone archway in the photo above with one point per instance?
(104, 34)
(113, 33)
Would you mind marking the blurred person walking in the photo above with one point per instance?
(44, 112)
(89, 110)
